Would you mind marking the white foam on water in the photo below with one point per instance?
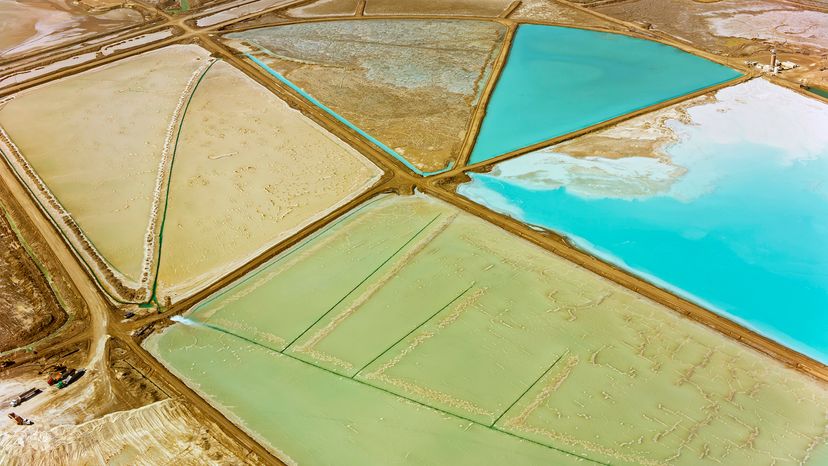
(186, 321)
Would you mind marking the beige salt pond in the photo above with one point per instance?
(249, 171)
(106, 129)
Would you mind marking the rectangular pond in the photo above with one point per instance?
(732, 212)
(559, 80)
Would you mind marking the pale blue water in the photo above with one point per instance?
(558, 80)
(755, 248)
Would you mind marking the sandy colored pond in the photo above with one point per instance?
(491, 8)
(324, 8)
(248, 172)
(411, 84)
(31, 25)
(96, 140)
(408, 331)
(241, 10)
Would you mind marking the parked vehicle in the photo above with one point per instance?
(25, 396)
(69, 380)
(21, 421)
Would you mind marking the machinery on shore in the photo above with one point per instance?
(25, 396)
(58, 373)
(60, 377)
(21, 421)
(71, 378)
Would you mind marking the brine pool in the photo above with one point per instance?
(741, 226)
(559, 80)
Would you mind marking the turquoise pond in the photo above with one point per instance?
(558, 80)
(735, 219)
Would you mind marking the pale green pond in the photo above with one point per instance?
(409, 332)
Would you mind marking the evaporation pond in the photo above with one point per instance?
(733, 214)
(411, 332)
(559, 80)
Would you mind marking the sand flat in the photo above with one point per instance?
(740, 30)
(29, 307)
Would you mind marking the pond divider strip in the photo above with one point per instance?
(529, 388)
(301, 245)
(363, 281)
(389, 392)
(153, 298)
(453, 300)
(342, 119)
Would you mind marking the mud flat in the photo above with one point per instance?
(26, 73)
(563, 79)
(408, 331)
(248, 172)
(740, 30)
(29, 26)
(316, 9)
(723, 204)
(492, 8)
(91, 147)
(410, 84)
(30, 309)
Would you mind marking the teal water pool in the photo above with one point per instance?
(558, 80)
(733, 215)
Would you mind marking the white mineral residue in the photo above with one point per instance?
(795, 26)
(756, 112)
(591, 177)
